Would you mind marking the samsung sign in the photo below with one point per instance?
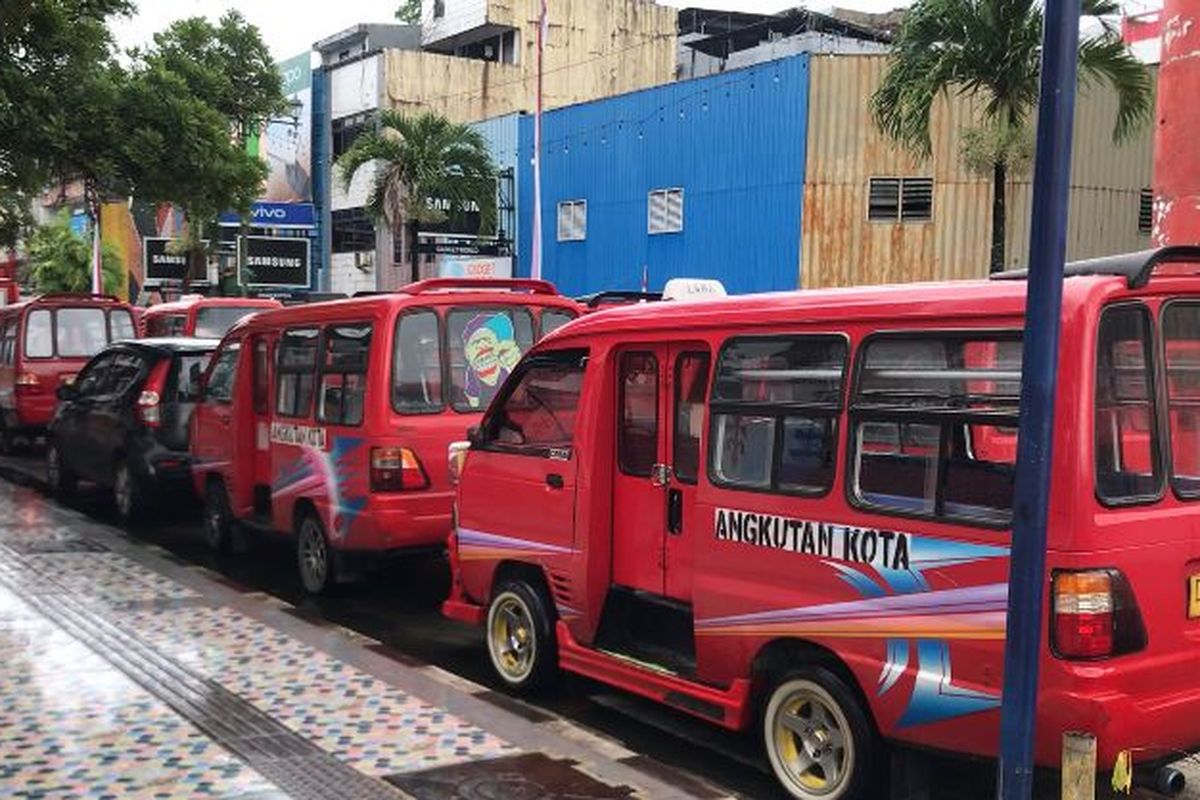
(161, 265)
(280, 263)
(274, 215)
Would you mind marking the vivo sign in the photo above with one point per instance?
(275, 215)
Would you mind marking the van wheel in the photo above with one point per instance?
(313, 556)
(126, 493)
(59, 478)
(520, 636)
(218, 519)
(819, 741)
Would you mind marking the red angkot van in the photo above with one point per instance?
(331, 421)
(201, 317)
(44, 342)
(793, 512)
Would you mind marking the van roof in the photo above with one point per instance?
(374, 305)
(66, 299)
(188, 303)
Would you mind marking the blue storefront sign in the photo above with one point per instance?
(274, 215)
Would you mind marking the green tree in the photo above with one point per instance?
(61, 261)
(409, 12)
(991, 50)
(420, 159)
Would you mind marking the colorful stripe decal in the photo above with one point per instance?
(479, 546)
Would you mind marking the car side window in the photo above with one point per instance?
(222, 375)
(125, 370)
(93, 380)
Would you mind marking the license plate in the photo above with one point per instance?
(1194, 597)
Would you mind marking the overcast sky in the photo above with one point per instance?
(290, 28)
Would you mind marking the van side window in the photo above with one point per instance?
(39, 335)
(344, 374)
(417, 367)
(933, 422)
(691, 385)
(224, 372)
(484, 346)
(775, 404)
(534, 414)
(296, 370)
(637, 437)
(1128, 465)
(1181, 330)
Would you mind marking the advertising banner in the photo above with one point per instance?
(160, 265)
(286, 144)
(275, 262)
(499, 267)
(273, 215)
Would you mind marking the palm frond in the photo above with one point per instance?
(1105, 58)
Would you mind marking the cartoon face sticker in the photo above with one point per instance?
(491, 351)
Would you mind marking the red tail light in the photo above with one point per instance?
(1094, 615)
(396, 469)
(149, 402)
(27, 383)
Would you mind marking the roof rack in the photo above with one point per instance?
(530, 285)
(600, 298)
(77, 296)
(1135, 268)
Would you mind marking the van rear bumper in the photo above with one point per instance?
(1154, 728)
(397, 524)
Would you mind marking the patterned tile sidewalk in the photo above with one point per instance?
(125, 676)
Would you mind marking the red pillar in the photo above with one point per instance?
(1177, 127)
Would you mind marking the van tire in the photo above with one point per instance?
(521, 640)
(820, 743)
(61, 481)
(128, 495)
(314, 558)
(218, 518)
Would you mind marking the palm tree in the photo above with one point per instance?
(426, 164)
(991, 50)
(60, 260)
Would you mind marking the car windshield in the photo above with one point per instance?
(80, 332)
(215, 322)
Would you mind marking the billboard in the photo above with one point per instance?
(276, 262)
(163, 266)
(286, 143)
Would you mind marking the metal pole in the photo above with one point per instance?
(1043, 312)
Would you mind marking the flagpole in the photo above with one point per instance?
(536, 263)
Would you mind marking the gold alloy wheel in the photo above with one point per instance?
(511, 639)
(809, 741)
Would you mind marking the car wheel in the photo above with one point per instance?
(218, 519)
(820, 743)
(313, 555)
(59, 478)
(521, 640)
(127, 494)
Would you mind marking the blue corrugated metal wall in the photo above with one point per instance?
(501, 134)
(735, 143)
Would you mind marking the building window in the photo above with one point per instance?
(1146, 212)
(666, 211)
(572, 221)
(900, 200)
(346, 130)
(352, 231)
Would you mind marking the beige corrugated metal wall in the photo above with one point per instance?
(841, 248)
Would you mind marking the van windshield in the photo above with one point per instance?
(215, 322)
(485, 344)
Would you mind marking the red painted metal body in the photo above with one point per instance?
(182, 317)
(926, 656)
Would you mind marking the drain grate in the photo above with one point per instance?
(293, 763)
(533, 776)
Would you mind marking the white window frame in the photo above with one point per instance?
(575, 229)
(901, 181)
(666, 195)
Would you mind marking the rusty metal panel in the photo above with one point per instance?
(840, 247)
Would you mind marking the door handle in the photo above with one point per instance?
(675, 512)
(555, 481)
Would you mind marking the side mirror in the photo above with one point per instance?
(67, 392)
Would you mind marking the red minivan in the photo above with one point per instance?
(331, 421)
(44, 342)
(201, 317)
(793, 512)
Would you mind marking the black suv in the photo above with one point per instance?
(123, 423)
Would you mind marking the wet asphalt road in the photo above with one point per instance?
(398, 605)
